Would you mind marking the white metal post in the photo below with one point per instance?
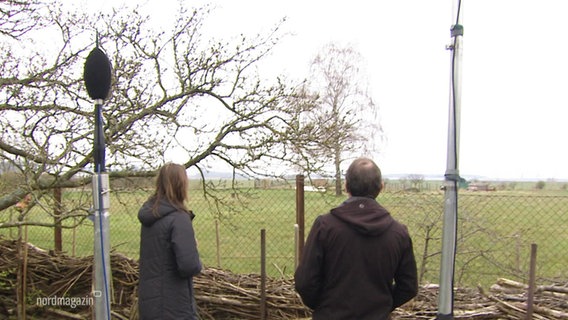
(449, 231)
(101, 270)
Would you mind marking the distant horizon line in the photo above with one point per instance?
(393, 176)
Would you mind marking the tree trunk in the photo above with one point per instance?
(338, 180)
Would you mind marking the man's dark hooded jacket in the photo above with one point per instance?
(168, 261)
(357, 263)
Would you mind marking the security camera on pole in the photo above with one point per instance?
(97, 76)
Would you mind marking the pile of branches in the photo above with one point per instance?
(221, 294)
(224, 295)
(507, 300)
(49, 274)
(550, 301)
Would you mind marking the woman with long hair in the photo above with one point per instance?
(168, 250)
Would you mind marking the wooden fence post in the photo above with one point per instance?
(532, 276)
(300, 214)
(57, 237)
(263, 274)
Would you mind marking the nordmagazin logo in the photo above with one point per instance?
(72, 302)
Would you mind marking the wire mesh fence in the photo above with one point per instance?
(495, 229)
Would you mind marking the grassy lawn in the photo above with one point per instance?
(495, 229)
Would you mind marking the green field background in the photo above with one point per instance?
(496, 229)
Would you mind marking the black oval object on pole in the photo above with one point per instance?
(97, 74)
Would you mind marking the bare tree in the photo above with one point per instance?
(19, 17)
(416, 181)
(173, 91)
(341, 120)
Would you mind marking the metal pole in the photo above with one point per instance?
(101, 203)
(449, 235)
(97, 74)
(102, 274)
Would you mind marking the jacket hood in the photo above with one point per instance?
(365, 215)
(146, 215)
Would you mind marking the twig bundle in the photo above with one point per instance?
(224, 295)
(221, 294)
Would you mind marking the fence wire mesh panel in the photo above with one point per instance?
(495, 229)
(495, 233)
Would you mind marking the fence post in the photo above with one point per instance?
(296, 239)
(58, 241)
(300, 214)
(532, 276)
(218, 243)
(263, 274)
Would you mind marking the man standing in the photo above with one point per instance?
(358, 262)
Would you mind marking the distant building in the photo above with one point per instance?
(480, 186)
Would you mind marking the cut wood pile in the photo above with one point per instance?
(223, 295)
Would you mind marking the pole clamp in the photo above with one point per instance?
(456, 30)
(452, 175)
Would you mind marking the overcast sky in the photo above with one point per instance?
(514, 75)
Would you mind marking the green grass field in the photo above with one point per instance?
(495, 229)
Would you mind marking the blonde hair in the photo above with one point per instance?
(171, 185)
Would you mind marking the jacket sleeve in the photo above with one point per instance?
(185, 246)
(308, 276)
(406, 278)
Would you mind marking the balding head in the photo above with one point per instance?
(363, 178)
